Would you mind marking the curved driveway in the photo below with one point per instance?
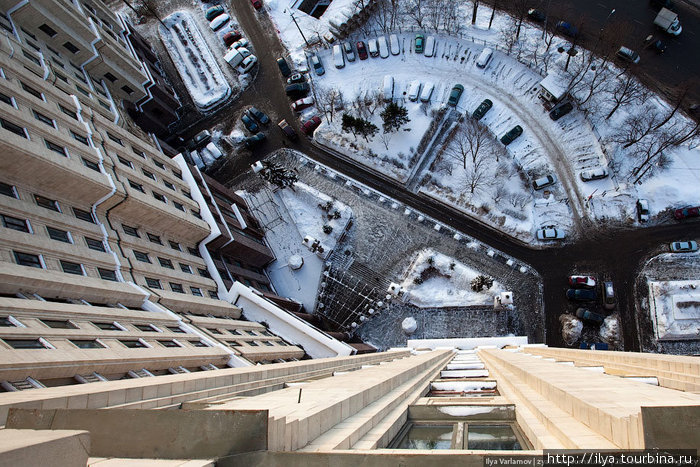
(612, 253)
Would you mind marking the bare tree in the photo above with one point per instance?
(415, 10)
(329, 100)
(476, 175)
(651, 151)
(469, 140)
(385, 138)
(636, 126)
(678, 100)
(508, 34)
(520, 7)
(624, 91)
(373, 101)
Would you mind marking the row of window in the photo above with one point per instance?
(236, 332)
(37, 261)
(46, 203)
(134, 232)
(41, 343)
(11, 321)
(254, 343)
(23, 225)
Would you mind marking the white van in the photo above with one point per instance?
(383, 47)
(373, 48)
(427, 92)
(388, 87)
(338, 58)
(394, 44)
(628, 55)
(484, 58)
(234, 56)
(429, 46)
(414, 90)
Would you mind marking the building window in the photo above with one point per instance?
(7, 99)
(159, 197)
(91, 165)
(60, 76)
(196, 213)
(110, 77)
(159, 164)
(252, 333)
(196, 291)
(108, 326)
(127, 90)
(44, 119)
(87, 343)
(70, 47)
(115, 139)
(126, 162)
(15, 224)
(26, 343)
(185, 268)
(268, 343)
(83, 215)
(59, 235)
(169, 344)
(68, 112)
(169, 185)
(153, 283)
(177, 329)
(136, 186)
(154, 238)
(134, 344)
(107, 274)
(16, 129)
(177, 174)
(166, 263)
(175, 287)
(28, 259)
(141, 256)
(130, 230)
(138, 152)
(187, 194)
(8, 190)
(198, 344)
(146, 328)
(84, 91)
(94, 244)
(213, 330)
(174, 245)
(80, 138)
(72, 268)
(48, 30)
(30, 56)
(56, 148)
(47, 203)
(32, 91)
(148, 174)
(59, 323)
(179, 206)
(213, 294)
(8, 322)
(204, 273)
(252, 344)
(235, 332)
(194, 252)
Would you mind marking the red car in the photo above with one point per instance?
(231, 37)
(687, 212)
(302, 104)
(310, 125)
(361, 50)
(257, 4)
(582, 282)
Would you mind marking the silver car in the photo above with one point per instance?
(349, 53)
(550, 233)
(684, 247)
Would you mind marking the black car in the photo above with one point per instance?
(535, 15)
(250, 123)
(297, 90)
(284, 67)
(296, 78)
(254, 140)
(659, 4)
(588, 315)
(581, 295)
(509, 137)
(259, 115)
(480, 111)
(561, 110)
(287, 130)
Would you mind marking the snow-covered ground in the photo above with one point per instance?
(434, 279)
(675, 309)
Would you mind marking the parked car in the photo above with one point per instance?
(394, 44)
(302, 104)
(297, 90)
(659, 4)
(250, 123)
(484, 58)
(684, 247)
(427, 92)
(567, 29)
(429, 49)
(373, 47)
(308, 126)
(608, 295)
(455, 95)
(338, 57)
(213, 12)
(231, 37)
(654, 44)
(247, 64)
(383, 47)
(284, 67)
(594, 174)
(259, 115)
(254, 140)
(420, 43)
(512, 135)
(361, 50)
(349, 53)
(581, 295)
(243, 42)
(296, 78)
(287, 130)
(257, 4)
(550, 233)
(480, 111)
(219, 22)
(535, 15)
(388, 87)
(414, 90)
(588, 315)
(628, 55)
(582, 282)
(560, 110)
(642, 210)
(544, 182)
(317, 65)
(684, 213)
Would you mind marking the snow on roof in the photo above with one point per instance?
(555, 85)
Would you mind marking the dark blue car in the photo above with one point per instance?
(567, 29)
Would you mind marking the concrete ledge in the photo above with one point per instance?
(58, 448)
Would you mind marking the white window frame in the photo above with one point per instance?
(15, 322)
(46, 343)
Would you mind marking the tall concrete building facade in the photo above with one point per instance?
(412, 407)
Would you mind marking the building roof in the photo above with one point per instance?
(555, 84)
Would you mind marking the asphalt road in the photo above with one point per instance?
(615, 254)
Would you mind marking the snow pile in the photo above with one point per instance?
(194, 61)
(409, 325)
(675, 309)
(571, 328)
(434, 279)
(610, 330)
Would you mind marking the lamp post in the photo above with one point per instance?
(602, 28)
(291, 13)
